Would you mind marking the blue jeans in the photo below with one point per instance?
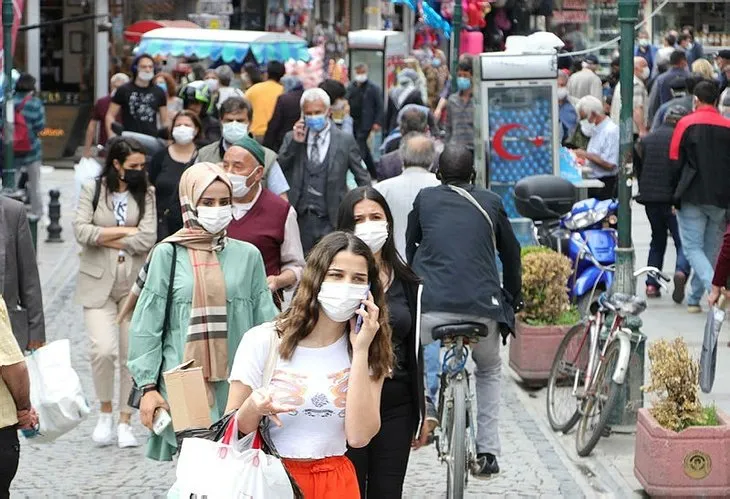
(432, 366)
(662, 220)
(701, 227)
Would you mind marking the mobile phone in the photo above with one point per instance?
(161, 421)
(358, 324)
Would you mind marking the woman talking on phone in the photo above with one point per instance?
(333, 353)
(381, 465)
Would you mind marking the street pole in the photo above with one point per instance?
(627, 16)
(455, 43)
(9, 114)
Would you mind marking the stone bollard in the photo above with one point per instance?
(54, 215)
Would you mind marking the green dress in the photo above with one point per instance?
(249, 303)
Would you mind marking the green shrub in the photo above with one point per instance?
(545, 276)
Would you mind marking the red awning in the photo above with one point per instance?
(134, 32)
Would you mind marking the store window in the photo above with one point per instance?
(711, 21)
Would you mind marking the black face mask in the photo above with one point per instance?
(135, 179)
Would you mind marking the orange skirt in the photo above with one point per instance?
(328, 478)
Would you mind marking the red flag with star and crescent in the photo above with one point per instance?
(18, 6)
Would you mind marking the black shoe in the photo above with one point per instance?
(488, 465)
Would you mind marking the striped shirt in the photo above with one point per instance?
(460, 121)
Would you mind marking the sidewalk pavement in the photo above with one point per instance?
(613, 459)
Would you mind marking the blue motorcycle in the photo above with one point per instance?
(584, 231)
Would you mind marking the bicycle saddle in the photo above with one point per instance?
(626, 305)
(466, 329)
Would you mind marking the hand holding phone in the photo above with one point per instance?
(358, 324)
(300, 131)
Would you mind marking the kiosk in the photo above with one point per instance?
(382, 51)
(516, 120)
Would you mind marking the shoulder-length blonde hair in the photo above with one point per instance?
(703, 67)
(299, 320)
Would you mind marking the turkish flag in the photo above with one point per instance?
(18, 6)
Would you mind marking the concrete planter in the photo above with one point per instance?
(532, 351)
(692, 463)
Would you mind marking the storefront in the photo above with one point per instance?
(583, 24)
(711, 21)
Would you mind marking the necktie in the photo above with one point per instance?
(314, 151)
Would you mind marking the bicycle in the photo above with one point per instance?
(593, 373)
(455, 438)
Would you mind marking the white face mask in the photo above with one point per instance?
(373, 233)
(562, 93)
(339, 300)
(212, 84)
(645, 74)
(361, 78)
(234, 131)
(214, 219)
(183, 135)
(240, 184)
(587, 128)
(146, 75)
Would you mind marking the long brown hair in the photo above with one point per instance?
(299, 320)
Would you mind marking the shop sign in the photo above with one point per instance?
(574, 5)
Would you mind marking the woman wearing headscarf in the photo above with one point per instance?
(407, 92)
(219, 292)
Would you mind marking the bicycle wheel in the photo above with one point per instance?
(571, 359)
(598, 403)
(457, 473)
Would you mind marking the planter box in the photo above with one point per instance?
(532, 351)
(691, 463)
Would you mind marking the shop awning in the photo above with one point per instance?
(134, 32)
(228, 45)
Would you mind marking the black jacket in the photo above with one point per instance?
(449, 245)
(415, 358)
(701, 146)
(657, 175)
(366, 106)
(286, 113)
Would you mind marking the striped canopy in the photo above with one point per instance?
(227, 45)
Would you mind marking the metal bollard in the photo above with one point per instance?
(54, 214)
(33, 223)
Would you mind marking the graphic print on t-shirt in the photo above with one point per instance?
(142, 106)
(306, 392)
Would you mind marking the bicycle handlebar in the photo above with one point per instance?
(654, 273)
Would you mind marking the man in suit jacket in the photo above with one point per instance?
(315, 158)
(19, 282)
(286, 113)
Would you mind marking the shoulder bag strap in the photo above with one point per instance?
(168, 303)
(465, 194)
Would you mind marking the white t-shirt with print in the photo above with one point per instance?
(314, 380)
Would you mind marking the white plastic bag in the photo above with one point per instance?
(55, 391)
(85, 170)
(220, 471)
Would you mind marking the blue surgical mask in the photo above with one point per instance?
(436, 62)
(163, 86)
(316, 122)
(463, 83)
(234, 131)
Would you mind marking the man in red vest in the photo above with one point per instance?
(262, 218)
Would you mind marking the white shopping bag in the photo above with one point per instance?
(85, 170)
(55, 391)
(220, 471)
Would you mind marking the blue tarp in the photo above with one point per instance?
(227, 51)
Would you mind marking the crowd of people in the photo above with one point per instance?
(260, 226)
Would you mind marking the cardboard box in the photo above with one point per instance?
(187, 397)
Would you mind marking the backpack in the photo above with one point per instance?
(21, 135)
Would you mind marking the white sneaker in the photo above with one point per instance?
(104, 432)
(125, 436)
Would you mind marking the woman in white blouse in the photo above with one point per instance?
(116, 227)
(334, 351)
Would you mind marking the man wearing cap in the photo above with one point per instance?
(262, 218)
(723, 61)
(657, 175)
(682, 89)
(586, 81)
(235, 114)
